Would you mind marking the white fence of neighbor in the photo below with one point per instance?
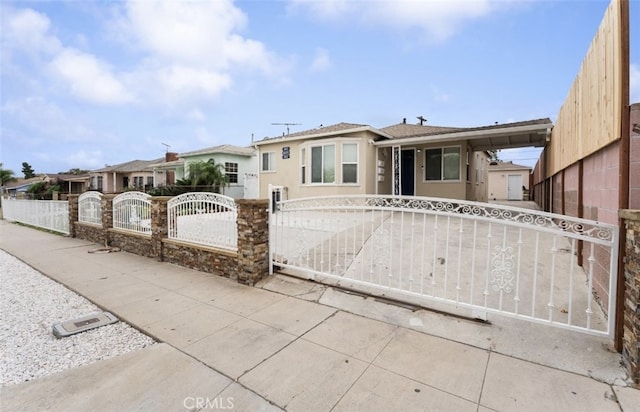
(132, 212)
(90, 208)
(454, 255)
(47, 214)
(204, 218)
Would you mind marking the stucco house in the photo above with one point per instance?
(69, 183)
(508, 181)
(333, 160)
(401, 159)
(240, 166)
(136, 174)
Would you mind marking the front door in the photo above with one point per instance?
(408, 173)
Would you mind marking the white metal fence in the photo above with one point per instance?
(132, 212)
(483, 258)
(90, 208)
(203, 218)
(47, 214)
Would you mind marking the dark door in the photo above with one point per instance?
(408, 172)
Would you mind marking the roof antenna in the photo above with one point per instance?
(164, 144)
(422, 120)
(286, 124)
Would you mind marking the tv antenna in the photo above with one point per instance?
(422, 120)
(168, 146)
(286, 124)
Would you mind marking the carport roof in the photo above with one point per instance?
(501, 136)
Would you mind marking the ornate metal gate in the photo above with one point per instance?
(454, 255)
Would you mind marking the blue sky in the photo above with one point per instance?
(85, 84)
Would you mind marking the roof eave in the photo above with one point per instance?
(324, 134)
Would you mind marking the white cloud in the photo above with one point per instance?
(44, 120)
(27, 31)
(438, 20)
(89, 78)
(634, 83)
(196, 114)
(192, 50)
(321, 61)
(202, 33)
(327, 9)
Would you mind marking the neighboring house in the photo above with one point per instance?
(68, 183)
(19, 187)
(136, 174)
(508, 181)
(402, 159)
(240, 166)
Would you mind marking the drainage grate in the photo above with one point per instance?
(71, 327)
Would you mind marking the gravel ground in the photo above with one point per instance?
(30, 303)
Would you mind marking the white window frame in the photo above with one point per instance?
(322, 182)
(271, 163)
(343, 162)
(442, 179)
(303, 165)
(229, 173)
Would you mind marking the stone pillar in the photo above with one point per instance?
(253, 240)
(73, 214)
(159, 224)
(107, 216)
(631, 316)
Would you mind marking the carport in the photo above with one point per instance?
(409, 163)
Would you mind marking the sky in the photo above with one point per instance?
(85, 84)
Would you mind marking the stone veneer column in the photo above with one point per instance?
(73, 214)
(631, 320)
(253, 240)
(159, 224)
(107, 216)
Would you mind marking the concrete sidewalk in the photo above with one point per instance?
(295, 345)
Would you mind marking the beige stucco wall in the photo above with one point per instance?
(498, 180)
(477, 185)
(287, 172)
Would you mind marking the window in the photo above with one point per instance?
(349, 163)
(100, 183)
(268, 162)
(468, 169)
(303, 165)
(323, 164)
(442, 164)
(149, 181)
(231, 171)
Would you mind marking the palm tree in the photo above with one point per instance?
(207, 173)
(6, 176)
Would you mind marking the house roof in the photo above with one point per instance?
(132, 166)
(225, 148)
(500, 136)
(507, 166)
(69, 177)
(325, 131)
(18, 183)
